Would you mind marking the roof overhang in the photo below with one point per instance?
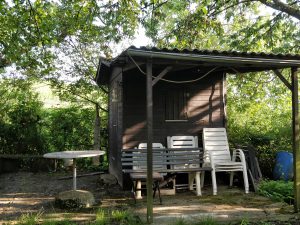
(226, 61)
(214, 58)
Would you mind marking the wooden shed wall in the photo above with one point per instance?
(204, 107)
(115, 123)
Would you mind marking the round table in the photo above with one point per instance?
(73, 155)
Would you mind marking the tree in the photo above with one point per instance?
(235, 25)
(60, 41)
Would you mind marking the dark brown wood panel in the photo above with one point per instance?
(203, 105)
(115, 124)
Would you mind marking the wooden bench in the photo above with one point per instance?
(166, 160)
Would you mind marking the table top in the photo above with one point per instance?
(73, 154)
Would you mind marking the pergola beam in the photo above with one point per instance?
(131, 66)
(296, 141)
(282, 78)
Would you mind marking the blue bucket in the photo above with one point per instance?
(283, 166)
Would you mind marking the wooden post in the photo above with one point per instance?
(149, 142)
(74, 175)
(296, 149)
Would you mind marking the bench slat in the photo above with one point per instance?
(182, 170)
(180, 160)
(162, 149)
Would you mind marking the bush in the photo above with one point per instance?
(277, 190)
(20, 119)
(68, 128)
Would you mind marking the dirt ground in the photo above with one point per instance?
(25, 192)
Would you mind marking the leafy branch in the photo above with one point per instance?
(32, 12)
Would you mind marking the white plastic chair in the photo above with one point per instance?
(156, 157)
(186, 142)
(217, 155)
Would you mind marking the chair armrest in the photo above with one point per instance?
(238, 153)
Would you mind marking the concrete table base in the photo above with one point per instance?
(75, 199)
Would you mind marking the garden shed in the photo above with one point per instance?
(155, 93)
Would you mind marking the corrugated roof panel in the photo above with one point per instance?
(217, 52)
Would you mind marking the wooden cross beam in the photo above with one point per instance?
(282, 78)
(161, 75)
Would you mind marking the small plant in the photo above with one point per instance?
(207, 221)
(180, 222)
(29, 219)
(101, 218)
(116, 217)
(245, 222)
(277, 190)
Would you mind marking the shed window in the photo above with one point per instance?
(175, 105)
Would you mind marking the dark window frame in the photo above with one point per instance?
(176, 105)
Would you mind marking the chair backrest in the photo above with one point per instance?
(154, 145)
(183, 142)
(215, 142)
(158, 159)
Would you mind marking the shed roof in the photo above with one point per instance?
(227, 61)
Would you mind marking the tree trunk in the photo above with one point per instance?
(97, 138)
(281, 6)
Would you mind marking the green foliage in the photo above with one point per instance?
(277, 190)
(69, 128)
(260, 116)
(28, 128)
(20, 120)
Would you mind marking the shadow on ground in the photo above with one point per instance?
(24, 192)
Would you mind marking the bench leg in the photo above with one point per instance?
(202, 178)
(134, 190)
(191, 180)
(198, 184)
(231, 178)
(138, 192)
(156, 187)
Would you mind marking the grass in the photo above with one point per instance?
(103, 217)
(30, 218)
(124, 217)
(204, 221)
